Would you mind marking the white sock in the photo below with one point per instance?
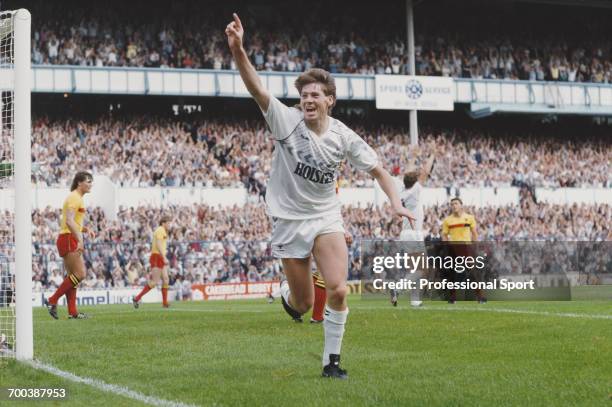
(333, 326)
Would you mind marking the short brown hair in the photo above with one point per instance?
(410, 178)
(317, 75)
(164, 219)
(457, 199)
(80, 177)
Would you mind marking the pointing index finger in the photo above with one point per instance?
(237, 20)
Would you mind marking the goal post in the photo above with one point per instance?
(24, 340)
(15, 180)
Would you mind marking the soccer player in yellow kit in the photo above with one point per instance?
(70, 245)
(158, 262)
(459, 228)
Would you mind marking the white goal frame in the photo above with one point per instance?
(24, 332)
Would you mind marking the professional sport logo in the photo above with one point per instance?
(414, 89)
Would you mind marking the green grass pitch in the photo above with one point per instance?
(250, 353)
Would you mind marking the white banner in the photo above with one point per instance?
(229, 291)
(400, 92)
(104, 296)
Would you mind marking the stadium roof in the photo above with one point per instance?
(584, 3)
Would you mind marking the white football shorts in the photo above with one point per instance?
(294, 238)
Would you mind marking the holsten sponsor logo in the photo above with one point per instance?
(313, 174)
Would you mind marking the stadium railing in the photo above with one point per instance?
(485, 96)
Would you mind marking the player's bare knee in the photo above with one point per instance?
(338, 293)
(80, 274)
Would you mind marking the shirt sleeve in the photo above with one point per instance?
(159, 234)
(445, 227)
(281, 118)
(472, 222)
(73, 203)
(360, 154)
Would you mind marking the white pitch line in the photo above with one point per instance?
(508, 311)
(110, 388)
(516, 311)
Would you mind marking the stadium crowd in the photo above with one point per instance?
(231, 245)
(360, 43)
(144, 152)
(212, 244)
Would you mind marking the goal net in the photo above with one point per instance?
(15, 213)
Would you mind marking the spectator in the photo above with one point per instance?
(222, 154)
(575, 48)
(224, 245)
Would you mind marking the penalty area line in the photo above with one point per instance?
(517, 311)
(109, 388)
(484, 308)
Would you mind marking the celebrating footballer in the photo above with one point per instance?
(301, 198)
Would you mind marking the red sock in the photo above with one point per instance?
(319, 302)
(71, 296)
(67, 284)
(145, 290)
(165, 295)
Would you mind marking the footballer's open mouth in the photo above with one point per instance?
(310, 109)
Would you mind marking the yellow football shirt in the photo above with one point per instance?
(74, 202)
(459, 228)
(161, 237)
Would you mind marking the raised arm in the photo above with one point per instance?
(385, 181)
(426, 169)
(235, 33)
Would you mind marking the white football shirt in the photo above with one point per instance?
(304, 168)
(411, 200)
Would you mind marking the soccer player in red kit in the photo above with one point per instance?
(70, 245)
(159, 263)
